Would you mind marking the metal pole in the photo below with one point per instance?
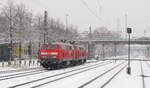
(129, 31)
(89, 43)
(129, 68)
(66, 26)
(9, 63)
(103, 51)
(67, 21)
(11, 43)
(129, 52)
(115, 50)
(45, 25)
(20, 53)
(44, 36)
(38, 51)
(30, 52)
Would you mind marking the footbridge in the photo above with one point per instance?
(92, 43)
(142, 42)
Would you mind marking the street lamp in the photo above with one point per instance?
(129, 31)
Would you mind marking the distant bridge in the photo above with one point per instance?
(130, 59)
(143, 42)
(92, 43)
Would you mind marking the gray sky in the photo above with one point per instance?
(110, 12)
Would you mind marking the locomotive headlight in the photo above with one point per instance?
(54, 53)
(44, 53)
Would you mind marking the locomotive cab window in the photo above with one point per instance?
(68, 47)
(74, 47)
(80, 48)
(44, 46)
(53, 47)
(63, 46)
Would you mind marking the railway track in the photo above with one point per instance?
(22, 74)
(106, 83)
(147, 64)
(19, 70)
(145, 75)
(70, 73)
(103, 74)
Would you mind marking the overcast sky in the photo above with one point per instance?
(109, 13)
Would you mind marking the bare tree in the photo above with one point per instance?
(9, 13)
(23, 21)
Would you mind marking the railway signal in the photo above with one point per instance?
(129, 31)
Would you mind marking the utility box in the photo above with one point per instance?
(4, 52)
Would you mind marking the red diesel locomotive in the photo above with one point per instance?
(56, 55)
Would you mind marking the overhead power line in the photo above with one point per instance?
(85, 4)
(99, 6)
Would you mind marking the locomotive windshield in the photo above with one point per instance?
(53, 47)
(44, 46)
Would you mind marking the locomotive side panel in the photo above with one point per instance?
(60, 54)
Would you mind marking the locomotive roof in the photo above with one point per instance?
(67, 44)
(62, 43)
(58, 43)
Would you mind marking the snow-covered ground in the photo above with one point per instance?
(117, 57)
(80, 77)
(15, 65)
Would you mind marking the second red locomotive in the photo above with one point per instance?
(58, 54)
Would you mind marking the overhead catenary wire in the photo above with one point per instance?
(85, 4)
(99, 6)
